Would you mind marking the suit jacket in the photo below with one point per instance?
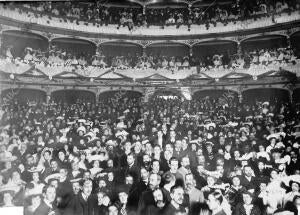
(78, 206)
(43, 209)
(240, 210)
(171, 210)
(248, 184)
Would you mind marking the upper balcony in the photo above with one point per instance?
(155, 18)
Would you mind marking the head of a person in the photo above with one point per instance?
(63, 173)
(189, 180)
(173, 164)
(177, 194)
(49, 193)
(158, 197)
(130, 159)
(295, 186)
(113, 210)
(123, 197)
(155, 166)
(185, 162)
(54, 165)
(154, 181)
(215, 200)
(236, 181)
(76, 187)
(87, 187)
(247, 197)
(144, 174)
(128, 179)
(248, 171)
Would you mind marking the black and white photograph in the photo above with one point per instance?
(150, 107)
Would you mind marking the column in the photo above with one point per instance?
(144, 51)
(239, 50)
(48, 96)
(288, 39)
(191, 50)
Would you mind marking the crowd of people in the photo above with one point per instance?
(102, 14)
(59, 57)
(126, 156)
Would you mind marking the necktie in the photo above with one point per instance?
(123, 210)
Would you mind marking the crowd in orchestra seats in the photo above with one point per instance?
(226, 60)
(100, 14)
(123, 155)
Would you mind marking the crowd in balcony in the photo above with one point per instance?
(132, 17)
(123, 156)
(244, 60)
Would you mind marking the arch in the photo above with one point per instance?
(19, 40)
(264, 41)
(211, 47)
(296, 97)
(294, 38)
(296, 33)
(71, 39)
(75, 45)
(115, 48)
(22, 95)
(169, 49)
(265, 94)
(214, 93)
(73, 95)
(118, 94)
(164, 3)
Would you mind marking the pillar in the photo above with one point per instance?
(144, 51)
(239, 50)
(191, 50)
(288, 39)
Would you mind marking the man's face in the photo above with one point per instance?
(247, 199)
(248, 171)
(158, 196)
(189, 180)
(50, 194)
(123, 197)
(185, 162)
(177, 195)
(87, 188)
(54, 165)
(153, 181)
(130, 160)
(144, 174)
(129, 180)
(174, 165)
(76, 187)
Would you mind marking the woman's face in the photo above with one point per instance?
(236, 181)
(295, 187)
(247, 199)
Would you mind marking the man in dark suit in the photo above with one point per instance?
(177, 197)
(123, 208)
(147, 198)
(247, 179)
(85, 203)
(132, 167)
(46, 207)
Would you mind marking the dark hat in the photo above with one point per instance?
(292, 182)
(123, 189)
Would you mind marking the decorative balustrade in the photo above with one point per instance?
(135, 73)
